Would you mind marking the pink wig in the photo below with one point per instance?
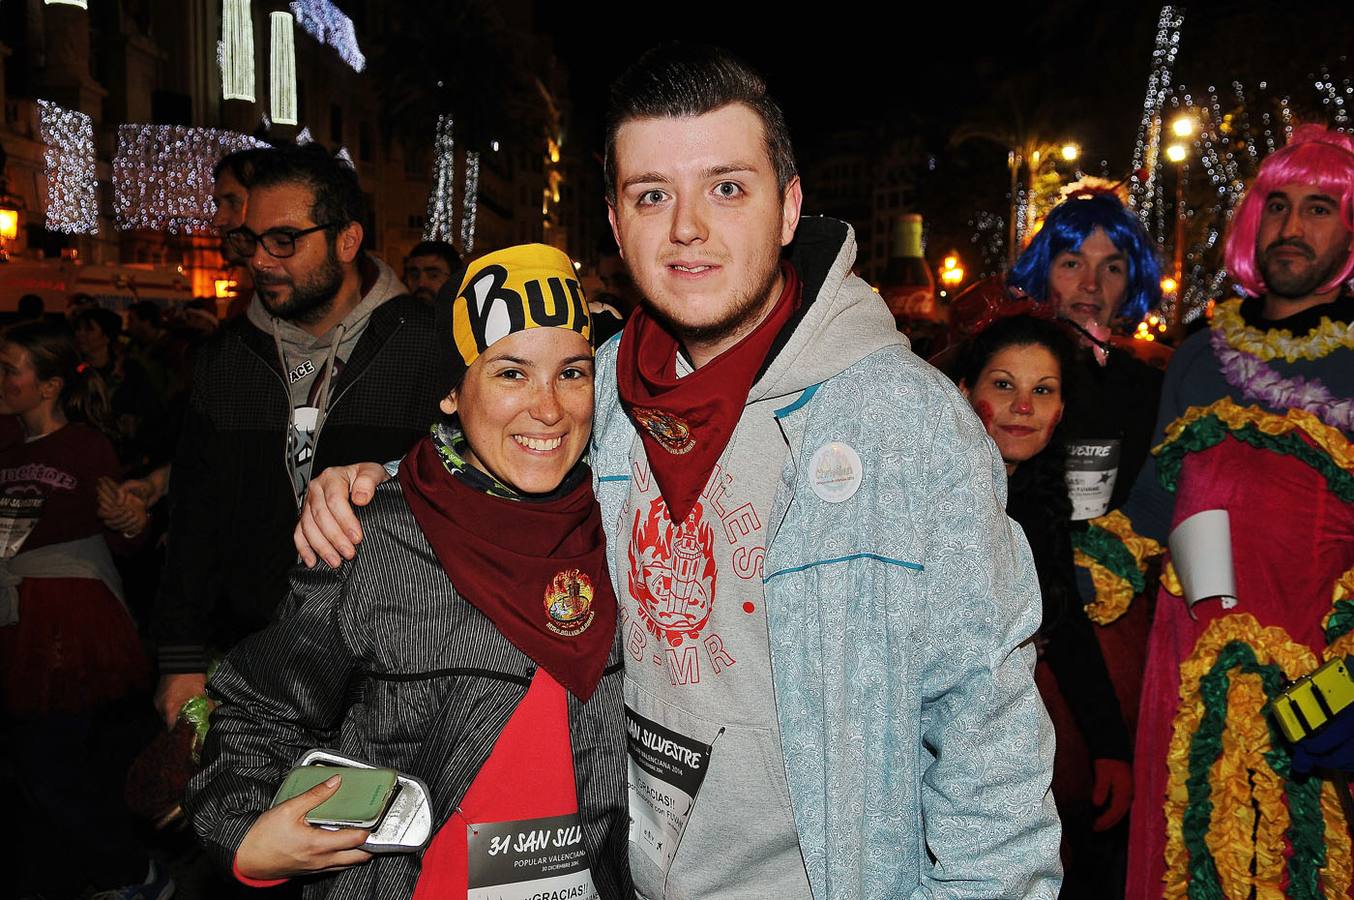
(1316, 155)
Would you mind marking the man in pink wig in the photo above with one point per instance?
(1253, 460)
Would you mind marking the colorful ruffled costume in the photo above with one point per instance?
(1255, 419)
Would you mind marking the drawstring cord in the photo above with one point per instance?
(322, 401)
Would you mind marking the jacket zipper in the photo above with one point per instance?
(333, 402)
(286, 394)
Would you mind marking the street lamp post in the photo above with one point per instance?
(1178, 153)
(1027, 160)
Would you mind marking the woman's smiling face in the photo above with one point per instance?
(1018, 397)
(525, 406)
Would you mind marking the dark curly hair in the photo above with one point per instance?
(1037, 496)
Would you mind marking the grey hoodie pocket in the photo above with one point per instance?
(738, 837)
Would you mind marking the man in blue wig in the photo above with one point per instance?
(1094, 262)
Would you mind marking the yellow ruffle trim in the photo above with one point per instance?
(1241, 780)
(1279, 343)
(1229, 830)
(1331, 810)
(1112, 593)
(1327, 437)
(1142, 548)
(1344, 590)
(1338, 872)
(1170, 581)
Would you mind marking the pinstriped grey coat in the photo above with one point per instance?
(381, 660)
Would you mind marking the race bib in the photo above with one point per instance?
(18, 517)
(666, 771)
(1092, 467)
(530, 859)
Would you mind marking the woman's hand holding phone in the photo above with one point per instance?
(282, 844)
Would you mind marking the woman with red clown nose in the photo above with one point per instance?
(1015, 373)
(470, 643)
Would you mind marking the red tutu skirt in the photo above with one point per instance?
(74, 647)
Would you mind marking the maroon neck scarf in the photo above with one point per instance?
(537, 569)
(686, 423)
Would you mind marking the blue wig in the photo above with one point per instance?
(1070, 223)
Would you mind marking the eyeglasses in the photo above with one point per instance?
(278, 243)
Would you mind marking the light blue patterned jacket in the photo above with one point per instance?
(916, 747)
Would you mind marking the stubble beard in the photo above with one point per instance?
(310, 300)
(750, 306)
(1285, 284)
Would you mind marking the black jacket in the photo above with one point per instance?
(1117, 400)
(383, 661)
(232, 505)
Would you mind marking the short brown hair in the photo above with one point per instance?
(676, 80)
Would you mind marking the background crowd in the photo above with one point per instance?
(113, 614)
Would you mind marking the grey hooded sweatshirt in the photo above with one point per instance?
(312, 364)
(707, 775)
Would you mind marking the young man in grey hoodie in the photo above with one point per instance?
(333, 362)
(824, 608)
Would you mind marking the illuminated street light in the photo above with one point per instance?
(1177, 153)
(1183, 126)
(9, 223)
(1070, 152)
(951, 272)
(1168, 286)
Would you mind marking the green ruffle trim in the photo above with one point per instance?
(1341, 621)
(1306, 830)
(1209, 432)
(1104, 547)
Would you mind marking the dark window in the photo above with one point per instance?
(364, 141)
(371, 237)
(415, 164)
(171, 108)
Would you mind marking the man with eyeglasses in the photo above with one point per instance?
(333, 362)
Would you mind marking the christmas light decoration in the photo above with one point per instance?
(327, 24)
(282, 55)
(1144, 190)
(1332, 98)
(471, 194)
(72, 185)
(305, 137)
(1022, 217)
(989, 236)
(441, 219)
(162, 175)
(236, 51)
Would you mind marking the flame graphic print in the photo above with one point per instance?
(672, 572)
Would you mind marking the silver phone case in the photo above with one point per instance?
(408, 822)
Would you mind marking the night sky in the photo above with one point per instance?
(1077, 70)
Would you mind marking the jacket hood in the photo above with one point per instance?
(841, 322)
(298, 341)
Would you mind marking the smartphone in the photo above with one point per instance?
(361, 800)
